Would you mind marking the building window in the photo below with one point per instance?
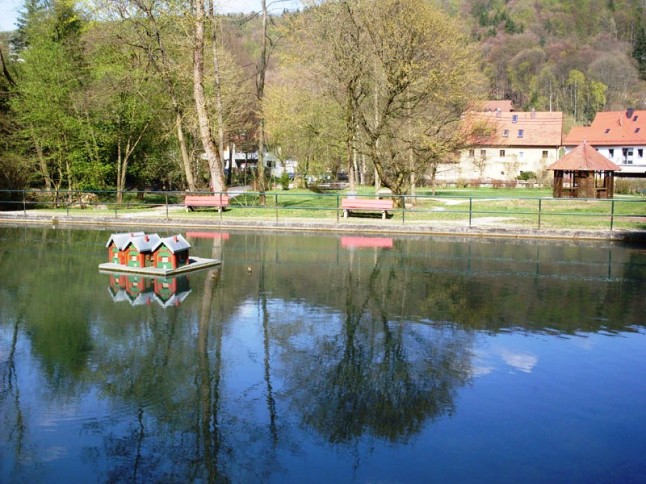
(611, 152)
(607, 131)
(521, 154)
(505, 133)
(483, 153)
(521, 133)
(502, 153)
(544, 153)
(472, 153)
(636, 117)
(637, 130)
(640, 152)
(514, 118)
(628, 156)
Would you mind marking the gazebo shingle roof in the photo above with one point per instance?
(584, 158)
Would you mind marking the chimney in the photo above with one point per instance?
(629, 112)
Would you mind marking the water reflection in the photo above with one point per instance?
(375, 373)
(331, 353)
(139, 290)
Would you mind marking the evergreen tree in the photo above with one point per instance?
(639, 51)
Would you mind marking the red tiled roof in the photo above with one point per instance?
(613, 128)
(505, 106)
(536, 128)
(584, 158)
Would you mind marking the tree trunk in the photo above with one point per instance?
(211, 151)
(186, 159)
(260, 94)
(41, 162)
(217, 81)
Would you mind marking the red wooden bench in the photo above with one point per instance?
(366, 204)
(219, 201)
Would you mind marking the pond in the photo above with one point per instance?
(323, 358)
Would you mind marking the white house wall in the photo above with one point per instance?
(633, 161)
(503, 164)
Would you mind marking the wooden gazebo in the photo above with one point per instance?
(583, 173)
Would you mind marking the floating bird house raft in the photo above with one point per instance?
(150, 254)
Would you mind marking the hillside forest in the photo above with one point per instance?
(158, 94)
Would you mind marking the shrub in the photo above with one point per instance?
(626, 186)
(526, 175)
(284, 180)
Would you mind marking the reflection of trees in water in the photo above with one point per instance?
(378, 375)
(169, 370)
(13, 422)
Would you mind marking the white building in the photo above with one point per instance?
(618, 135)
(514, 142)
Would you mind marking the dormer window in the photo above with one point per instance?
(521, 133)
(637, 130)
(514, 118)
(607, 131)
(635, 118)
(505, 133)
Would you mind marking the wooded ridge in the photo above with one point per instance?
(150, 93)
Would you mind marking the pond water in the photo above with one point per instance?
(324, 358)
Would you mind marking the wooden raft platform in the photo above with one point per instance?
(195, 264)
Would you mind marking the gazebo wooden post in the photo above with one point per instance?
(557, 189)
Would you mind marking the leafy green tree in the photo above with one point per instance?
(49, 81)
(305, 126)
(124, 107)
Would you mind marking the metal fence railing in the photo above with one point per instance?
(468, 210)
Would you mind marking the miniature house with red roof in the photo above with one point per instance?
(584, 173)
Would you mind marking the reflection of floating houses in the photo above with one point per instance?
(150, 254)
(139, 290)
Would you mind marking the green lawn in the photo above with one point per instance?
(477, 206)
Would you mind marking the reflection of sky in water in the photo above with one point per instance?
(502, 358)
(521, 404)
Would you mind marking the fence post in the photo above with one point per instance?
(540, 205)
(166, 198)
(337, 207)
(612, 214)
(403, 198)
(276, 205)
(116, 202)
(470, 209)
(221, 209)
(24, 202)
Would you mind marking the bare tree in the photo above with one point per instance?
(210, 149)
